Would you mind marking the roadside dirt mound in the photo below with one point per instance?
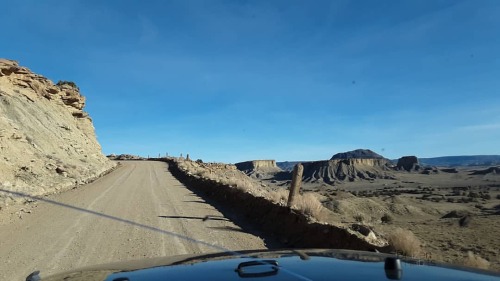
(47, 141)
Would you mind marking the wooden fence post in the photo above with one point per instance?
(296, 183)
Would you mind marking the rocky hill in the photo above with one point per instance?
(331, 171)
(47, 140)
(357, 154)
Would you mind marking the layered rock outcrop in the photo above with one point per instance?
(331, 171)
(360, 164)
(47, 140)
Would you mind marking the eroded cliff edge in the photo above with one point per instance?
(47, 140)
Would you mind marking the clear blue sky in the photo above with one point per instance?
(286, 80)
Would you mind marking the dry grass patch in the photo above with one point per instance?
(475, 261)
(405, 242)
(279, 196)
(309, 204)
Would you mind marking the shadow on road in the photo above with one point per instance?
(196, 201)
(205, 218)
(227, 228)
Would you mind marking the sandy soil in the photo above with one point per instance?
(139, 210)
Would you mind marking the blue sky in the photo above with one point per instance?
(287, 80)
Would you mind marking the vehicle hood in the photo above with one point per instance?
(276, 265)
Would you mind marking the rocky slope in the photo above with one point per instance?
(348, 166)
(331, 171)
(47, 141)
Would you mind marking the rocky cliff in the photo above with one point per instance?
(47, 141)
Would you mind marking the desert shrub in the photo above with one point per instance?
(405, 242)
(498, 196)
(465, 221)
(475, 261)
(486, 196)
(359, 218)
(473, 194)
(450, 200)
(309, 204)
(333, 205)
(386, 218)
(70, 83)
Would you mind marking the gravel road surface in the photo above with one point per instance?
(138, 211)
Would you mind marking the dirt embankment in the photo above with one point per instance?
(289, 226)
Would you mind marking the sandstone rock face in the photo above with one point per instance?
(408, 163)
(47, 141)
(331, 171)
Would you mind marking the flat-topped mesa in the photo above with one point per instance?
(263, 166)
(360, 164)
(47, 141)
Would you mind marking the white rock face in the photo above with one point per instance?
(47, 141)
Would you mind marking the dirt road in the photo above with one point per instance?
(139, 210)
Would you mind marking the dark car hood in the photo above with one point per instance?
(277, 265)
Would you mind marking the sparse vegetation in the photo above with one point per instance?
(386, 218)
(359, 218)
(279, 196)
(475, 261)
(405, 242)
(70, 83)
